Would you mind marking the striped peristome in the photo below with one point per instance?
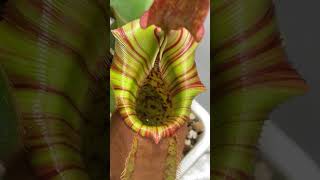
(138, 52)
(251, 77)
(51, 52)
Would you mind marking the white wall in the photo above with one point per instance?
(203, 65)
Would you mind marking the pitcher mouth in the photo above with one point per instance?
(153, 103)
(154, 78)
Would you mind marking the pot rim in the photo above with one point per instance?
(282, 152)
(203, 144)
(285, 154)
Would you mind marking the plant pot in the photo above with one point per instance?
(276, 147)
(203, 143)
(285, 155)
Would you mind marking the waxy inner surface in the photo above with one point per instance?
(153, 101)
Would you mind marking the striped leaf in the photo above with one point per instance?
(53, 52)
(251, 77)
(154, 78)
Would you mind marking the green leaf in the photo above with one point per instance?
(128, 10)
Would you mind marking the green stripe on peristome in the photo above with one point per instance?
(52, 52)
(251, 77)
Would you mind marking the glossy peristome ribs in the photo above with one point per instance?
(140, 51)
(51, 51)
(251, 77)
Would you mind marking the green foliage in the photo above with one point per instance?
(127, 10)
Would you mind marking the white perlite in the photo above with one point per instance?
(187, 142)
(192, 134)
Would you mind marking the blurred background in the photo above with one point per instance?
(203, 65)
(299, 118)
(200, 170)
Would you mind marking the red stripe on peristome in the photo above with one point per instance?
(48, 89)
(16, 19)
(45, 117)
(156, 136)
(125, 38)
(252, 82)
(190, 74)
(187, 71)
(172, 129)
(119, 70)
(137, 42)
(189, 86)
(127, 115)
(284, 71)
(242, 36)
(147, 132)
(194, 75)
(271, 42)
(166, 131)
(125, 66)
(176, 43)
(45, 7)
(180, 54)
(123, 103)
(281, 66)
(127, 119)
(117, 57)
(122, 89)
(164, 67)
